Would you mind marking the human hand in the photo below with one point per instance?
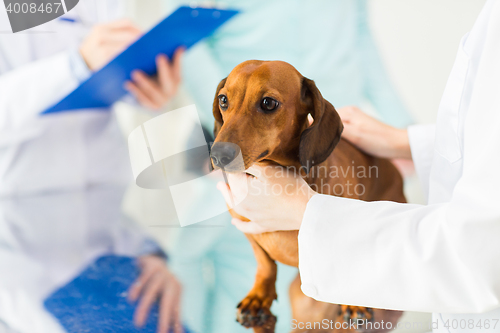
(275, 200)
(106, 41)
(156, 282)
(155, 92)
(373, 136)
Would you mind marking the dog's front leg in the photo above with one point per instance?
(254, 310)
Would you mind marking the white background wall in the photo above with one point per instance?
(418, 40)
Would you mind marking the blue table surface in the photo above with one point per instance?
(96, 300)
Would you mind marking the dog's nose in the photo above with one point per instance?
(223, 153)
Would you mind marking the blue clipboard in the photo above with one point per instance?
(184, 27)
(96, 300)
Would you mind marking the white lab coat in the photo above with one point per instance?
(443, 257)
(59, 151)
(48, 239)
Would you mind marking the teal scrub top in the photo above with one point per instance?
(328, 41)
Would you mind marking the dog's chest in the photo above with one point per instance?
(281, 246)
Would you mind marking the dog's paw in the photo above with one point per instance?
(356, 313)
(254, 311)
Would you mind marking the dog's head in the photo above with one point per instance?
(262, 109)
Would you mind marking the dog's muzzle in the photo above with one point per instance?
(227, 156)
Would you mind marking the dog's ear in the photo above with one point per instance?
(318, 140)
(216, 110)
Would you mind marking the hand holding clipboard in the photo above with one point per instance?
(184, 27)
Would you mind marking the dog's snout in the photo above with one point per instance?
(223, 153)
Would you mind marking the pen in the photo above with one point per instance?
(68, 19)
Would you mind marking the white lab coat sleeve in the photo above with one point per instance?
(28, 90)
(435, 258)
(421, 139)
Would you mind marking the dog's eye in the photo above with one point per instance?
(222, 101)
(269, 104)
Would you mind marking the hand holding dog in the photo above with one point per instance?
(275, 200)
(372, 136)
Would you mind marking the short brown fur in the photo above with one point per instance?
(286, 138)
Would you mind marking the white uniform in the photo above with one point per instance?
(443, 257)
(59, 151)
(43, 249)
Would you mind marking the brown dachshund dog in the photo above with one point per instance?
(261, 112)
